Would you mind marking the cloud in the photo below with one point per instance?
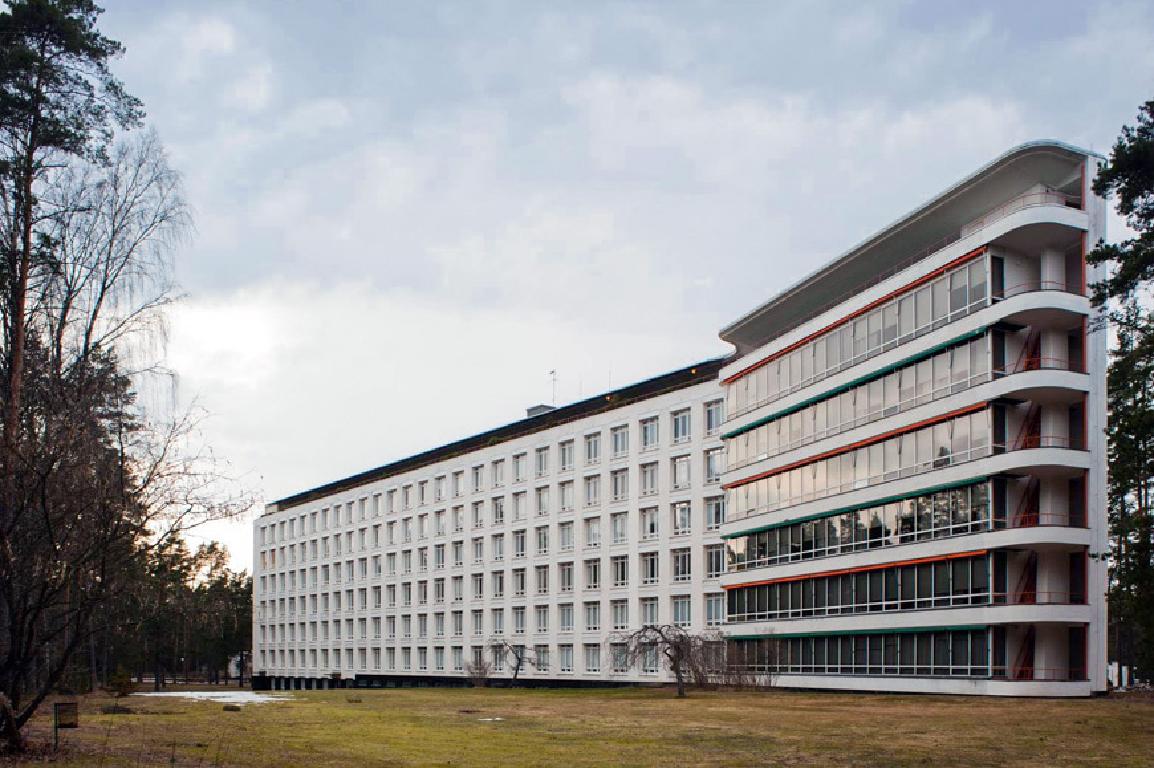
(395, 245)
(252, 90)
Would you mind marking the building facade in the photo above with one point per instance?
(916, 459)
(542, 541)
(896, 482)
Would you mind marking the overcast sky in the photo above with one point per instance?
(407, 213)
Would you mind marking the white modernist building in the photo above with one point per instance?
(916, 459)
(896, 482)
(540, 540)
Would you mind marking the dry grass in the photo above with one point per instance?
(631, 727)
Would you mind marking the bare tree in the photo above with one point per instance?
(518, 656)
(94, 478)
(690, 657)
(479, 672)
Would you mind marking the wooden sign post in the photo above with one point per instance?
(65, 714)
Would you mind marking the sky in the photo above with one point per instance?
(407, 214)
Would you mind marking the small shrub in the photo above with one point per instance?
(120, 683)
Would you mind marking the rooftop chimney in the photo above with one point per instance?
(537, 410)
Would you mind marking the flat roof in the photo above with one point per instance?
(926, 229)
(681, 378)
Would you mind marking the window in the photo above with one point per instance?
(592, 616)
(682, 569)
(620, 614)
(619, 524)
(543, 500)
(619, 484)
(478, 514)
(714, 513)
(649, 611)
(592, 490)
(498, 471)
(565, 617)
(565, 658)
(713, 417)
(498, 546)
(566, 451)
(593, 532)
(680, 466)
(682, 517)
(542, 465)
(649, 526)
(619, 564)
(519, 505)
(680, 421)
(543, 540)
(649, 478)
(714, 465)
(565, 536)
(619, 436)
(592, 657)
(565, 489)
(478, 550)
(593, 448)
(519, 582)
(497, 581)
(498, 510)
(519, 468)
(542, 618)
(458, 483)
(682, 615)
(519, 543)
(478, 478)
(519, 620)
(649, 433)
(649, 568)
(542, 573)
(714, 560)
(565, 576)
(593, 574)
(498, 616)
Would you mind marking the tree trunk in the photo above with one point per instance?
(9, 730)
(680, 681)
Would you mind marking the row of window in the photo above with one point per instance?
(943, 374)
(952, 512)
(939, 584)
(492, 621)
(537, 659)
(493, 513)
(439, 556)
(649, 565)
(912, 314)
(949, 442)
(439, 488)
(931, 653)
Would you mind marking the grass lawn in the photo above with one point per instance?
(631, 727)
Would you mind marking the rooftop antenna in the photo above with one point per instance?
(553, 374)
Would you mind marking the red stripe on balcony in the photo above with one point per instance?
(857, 313)
(861, 569)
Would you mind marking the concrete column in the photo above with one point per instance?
(1053, 576)
(1051, 652)
(1054, 349)
(1053, 270)
(1054, 501)
(1055, 425)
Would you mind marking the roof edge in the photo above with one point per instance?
(681, 378)
(1011, 155)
